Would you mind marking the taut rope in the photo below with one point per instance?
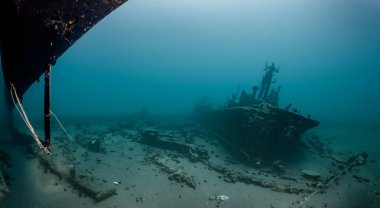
(325, 186)
(63, 128)
(23, 115)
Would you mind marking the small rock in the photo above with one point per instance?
(116, 182)
(223, 197)
(311, 174)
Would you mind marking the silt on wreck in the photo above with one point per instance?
(254, 126)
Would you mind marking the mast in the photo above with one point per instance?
(267, 81)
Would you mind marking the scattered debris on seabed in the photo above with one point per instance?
(170, 149)
(5, 162)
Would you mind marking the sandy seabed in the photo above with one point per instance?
(110, 156)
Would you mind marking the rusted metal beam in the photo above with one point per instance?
(47, 107)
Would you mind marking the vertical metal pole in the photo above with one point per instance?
(47, 107)
(8, 111)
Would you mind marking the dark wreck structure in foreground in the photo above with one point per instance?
(254, 126)
(35, 33)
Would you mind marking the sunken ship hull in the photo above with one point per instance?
(35, 33)
(262, 131)
(252, 126)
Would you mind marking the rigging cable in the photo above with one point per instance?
(325, 186)
(63, 128)
(23, 115)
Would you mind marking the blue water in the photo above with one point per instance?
(165, 55)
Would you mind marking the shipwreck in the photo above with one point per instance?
(253, 125)
(35, 33)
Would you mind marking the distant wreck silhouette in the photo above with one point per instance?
(254, 126)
